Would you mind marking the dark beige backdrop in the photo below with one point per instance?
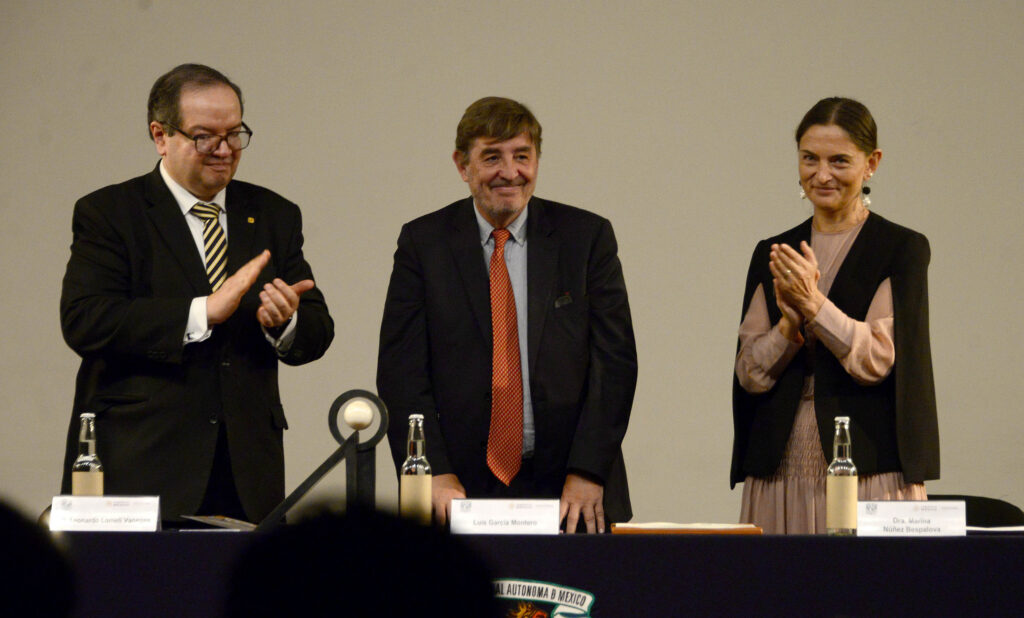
(673, 119)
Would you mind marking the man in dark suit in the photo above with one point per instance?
(179, 359)
(508, 327)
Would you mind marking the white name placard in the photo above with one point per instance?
(492, 516)
(912, 518)
(105, 513)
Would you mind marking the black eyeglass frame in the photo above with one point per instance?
(220, 138)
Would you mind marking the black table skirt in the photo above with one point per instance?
(184, 573)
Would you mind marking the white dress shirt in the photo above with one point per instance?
(197, 328)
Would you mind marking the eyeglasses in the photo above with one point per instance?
(207, 144)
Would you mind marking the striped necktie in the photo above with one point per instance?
(215, 243)
(505, 437)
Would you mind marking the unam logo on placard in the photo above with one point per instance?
(527, 598)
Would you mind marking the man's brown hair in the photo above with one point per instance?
(498, 119)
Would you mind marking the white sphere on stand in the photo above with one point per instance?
(358, 414)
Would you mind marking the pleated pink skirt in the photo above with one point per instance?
(793, 500)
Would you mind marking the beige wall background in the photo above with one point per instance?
(673, 119)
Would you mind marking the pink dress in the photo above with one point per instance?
(792, 501)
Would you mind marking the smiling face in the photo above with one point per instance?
(833, 170)
(212, 110)
(501, 176)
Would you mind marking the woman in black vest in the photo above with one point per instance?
(835, 323)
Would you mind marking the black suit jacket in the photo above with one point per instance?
(133, 272)
(893, 424)
(435, 347)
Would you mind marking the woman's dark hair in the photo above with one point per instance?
(847, 114)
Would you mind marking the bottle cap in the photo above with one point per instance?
(843, 420)
(414, 417)
(87, 415)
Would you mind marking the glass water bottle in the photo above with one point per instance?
(87, 471)
(841, 484)
(414, 493)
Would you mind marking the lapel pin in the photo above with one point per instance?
(252, 220)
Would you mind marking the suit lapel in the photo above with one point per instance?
(542, 269)
(166, 216)
(469, 260)
(242, 221)
(800, 232)
(855, 280)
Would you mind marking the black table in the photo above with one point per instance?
(183, 573)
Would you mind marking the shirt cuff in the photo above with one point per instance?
(283, 342)
(833, 328)
(197, 329)
(781, 343)
(783, 349)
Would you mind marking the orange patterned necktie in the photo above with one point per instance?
(505, 438)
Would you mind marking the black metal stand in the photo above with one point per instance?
(360, 467)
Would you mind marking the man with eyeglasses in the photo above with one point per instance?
(183, 291)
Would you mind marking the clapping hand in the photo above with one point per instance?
(796, 278)
(280, 301)
(222, 304)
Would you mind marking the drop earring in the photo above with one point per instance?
(865, 190)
